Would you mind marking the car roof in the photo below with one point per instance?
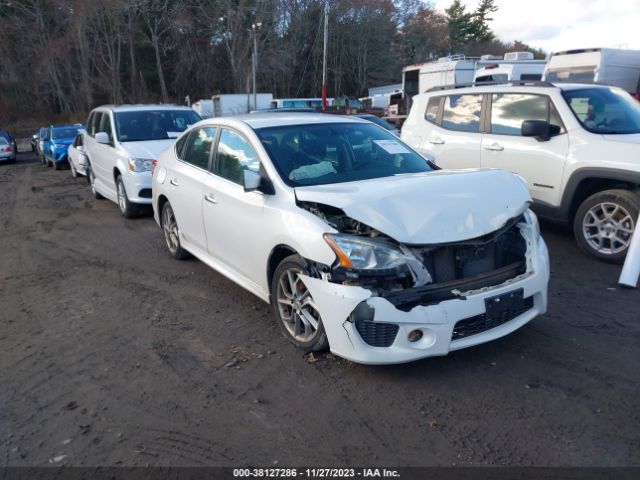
(274, 119)
(492, 87)
(141, 107)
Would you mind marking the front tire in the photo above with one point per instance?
(171, 232)
(127, 209)
(91, 178)
(296, 312)
(74, 172)
(604, 224)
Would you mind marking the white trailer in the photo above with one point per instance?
(514, 66)
(608, 66)
(457, 70)
(229, 104)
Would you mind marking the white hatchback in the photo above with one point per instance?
(358, 242)
(120, 144)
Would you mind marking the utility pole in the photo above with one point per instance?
(254, 62)
(324, 54)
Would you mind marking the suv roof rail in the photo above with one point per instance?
(515, 83)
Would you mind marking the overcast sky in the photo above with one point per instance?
(555, 25)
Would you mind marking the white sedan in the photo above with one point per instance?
(360, 244)
(76, 156)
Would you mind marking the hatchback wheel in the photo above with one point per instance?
(295, 310)
(74, 172)
(172, 233)
(604, 224)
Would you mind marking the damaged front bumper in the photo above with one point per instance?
(445, 326)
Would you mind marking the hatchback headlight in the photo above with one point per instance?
(360, 253)
(140, 164)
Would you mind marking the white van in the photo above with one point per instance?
(122, 142)
(509, 72)
(607, 66)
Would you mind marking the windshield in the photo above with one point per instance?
(605, 110)
(58, 133)
(141, 125)
(321, 154)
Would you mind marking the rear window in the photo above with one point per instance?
(462, 113)
(431, 114)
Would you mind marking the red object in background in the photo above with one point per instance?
(324, 96)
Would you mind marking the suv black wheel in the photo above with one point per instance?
(604, 224)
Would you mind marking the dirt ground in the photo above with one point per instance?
(113, 353)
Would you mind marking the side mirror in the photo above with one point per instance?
(102, 137)
(80, 148)
(252, 180)
(539, 129)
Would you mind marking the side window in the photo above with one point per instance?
(198, 147)
(555, 120)
(105, 125)
(531, 76)
(234, 156)
(509, 110)
(95, 123)
(89, 122)
(180, 146)
(431, 114)
(462, 113)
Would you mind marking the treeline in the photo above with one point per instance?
(63, 56)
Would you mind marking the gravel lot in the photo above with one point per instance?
(113, 353)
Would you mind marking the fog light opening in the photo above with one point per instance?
(414, 335)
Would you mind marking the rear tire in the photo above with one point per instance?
(171, 232)
(294, 308)
(57, 165)
(604, 224)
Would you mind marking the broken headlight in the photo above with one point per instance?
(360, 253)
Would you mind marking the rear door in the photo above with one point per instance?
(541, 163)
(453, 135)
(186, 180)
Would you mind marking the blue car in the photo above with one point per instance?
(56, 144)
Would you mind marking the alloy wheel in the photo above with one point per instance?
(296, 308)
(170, 228)
(122, 197)
(607, 227)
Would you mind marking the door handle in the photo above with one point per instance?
(174, 182)
(436, 141)
(495, 147)
(211, 198)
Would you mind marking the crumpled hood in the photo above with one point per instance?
(150, 149)
(430, 208)
(633, 138)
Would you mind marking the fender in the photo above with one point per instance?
(571, 187)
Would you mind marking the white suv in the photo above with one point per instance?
(577, 146)
(121, 142)
(357, 241)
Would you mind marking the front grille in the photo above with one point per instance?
(377, 334)
(483, 322)
(145, 193)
